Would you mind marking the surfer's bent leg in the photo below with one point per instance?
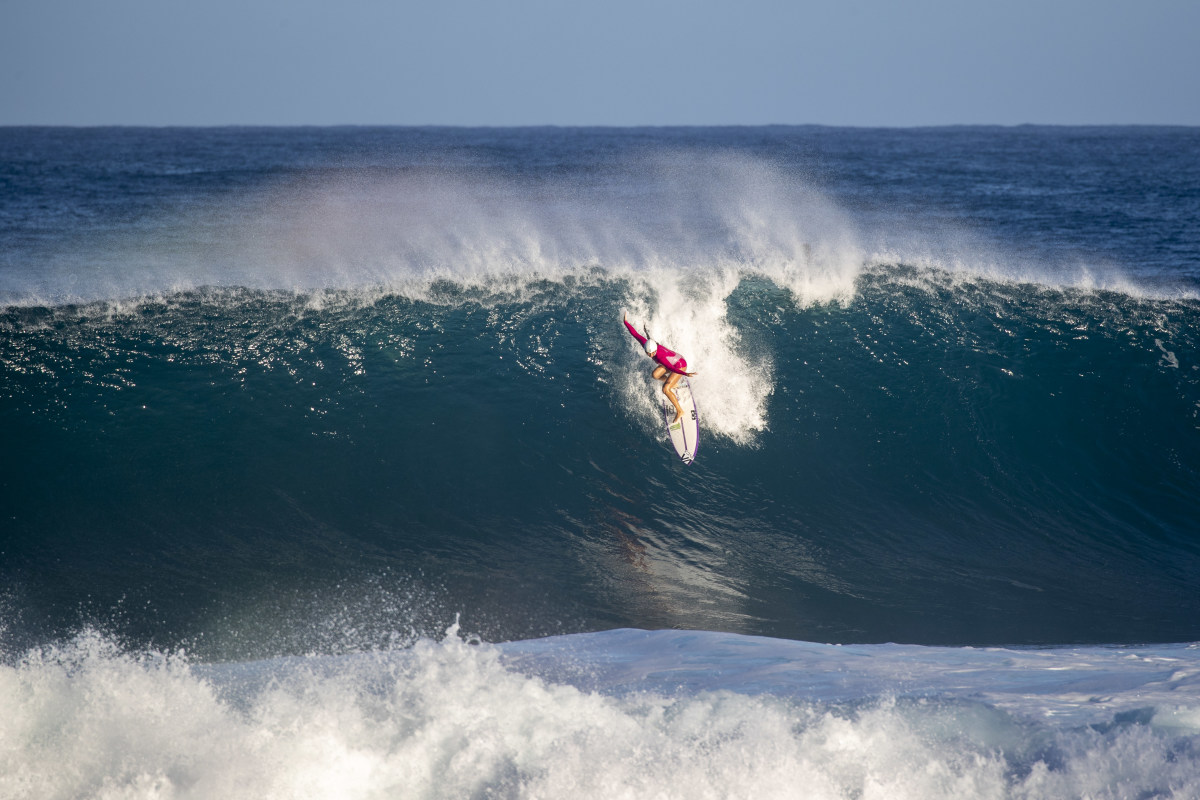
(669, 390)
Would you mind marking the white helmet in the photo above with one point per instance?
(651, 347)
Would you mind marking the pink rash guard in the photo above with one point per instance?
(664, 356)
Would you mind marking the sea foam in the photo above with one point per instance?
(460, 718)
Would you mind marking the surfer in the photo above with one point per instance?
(671, 366)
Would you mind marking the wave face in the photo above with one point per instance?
(936, 460)
(278, 404)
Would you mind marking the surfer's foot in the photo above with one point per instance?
(677, 418)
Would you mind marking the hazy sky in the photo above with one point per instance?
(616, 62)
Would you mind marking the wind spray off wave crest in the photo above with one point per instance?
(678, 214)
(399, 230)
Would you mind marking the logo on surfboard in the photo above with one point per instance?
(685, 431)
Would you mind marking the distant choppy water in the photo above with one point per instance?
(305, 393)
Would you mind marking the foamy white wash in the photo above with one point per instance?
(454, 719)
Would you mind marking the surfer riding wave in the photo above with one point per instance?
(671, 366)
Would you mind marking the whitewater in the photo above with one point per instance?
(329, 470)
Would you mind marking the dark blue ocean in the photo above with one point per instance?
(328, 469)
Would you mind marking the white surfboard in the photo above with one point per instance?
(685, 434)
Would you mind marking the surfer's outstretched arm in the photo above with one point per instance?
(633, 331)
